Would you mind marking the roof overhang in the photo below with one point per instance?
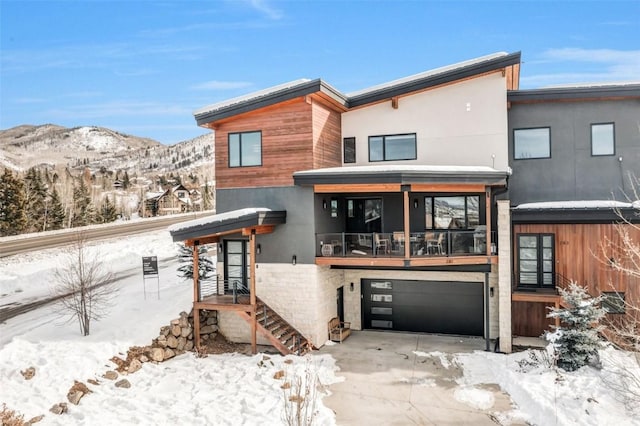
(571, 215)
(226, 223)
(402, 175)
(612, 91)
(267, 98)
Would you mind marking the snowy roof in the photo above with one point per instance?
(401, 173)
(581, 204)
(227, 222)
(429, 73)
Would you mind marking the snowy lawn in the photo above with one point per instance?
(232, 388)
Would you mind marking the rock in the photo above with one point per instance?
(183, 322)
(266, 357)
(134, 366)
(279, 375)
(124, 383)
(176, 330)
(169, 353)
(156, 354)
(36, 419)
(110, 375)
(164, 331)
(93, 382)
(189, 345)
(143, 358)
(28, 373)
(212, 321)
(186, 331)
(172, 342)
(181, 342)
(75, 396)
(190, 336)
(162, 341)
(208, 329)
(175, 322)
(59, 408)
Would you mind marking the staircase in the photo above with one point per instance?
(279, 332)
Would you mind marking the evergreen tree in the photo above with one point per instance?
(206, 268)
(35, 200)
(56, 212)
(577, 343)
(108, 211)
(83, 211)
(13, 219)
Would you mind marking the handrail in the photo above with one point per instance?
(221, 287)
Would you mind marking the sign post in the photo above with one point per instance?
(150, 271)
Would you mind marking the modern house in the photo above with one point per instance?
(573, 151)
(380, 207)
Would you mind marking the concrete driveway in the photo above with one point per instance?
(391, 380)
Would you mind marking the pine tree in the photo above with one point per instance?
(206, 268)
(35, 200)
(578, 341)
(13, 219)
(83, 210)
(108, 211)
(56, 212)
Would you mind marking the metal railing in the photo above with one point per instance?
(445, 242)
(220, 287)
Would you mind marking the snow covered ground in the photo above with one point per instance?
(224, 389)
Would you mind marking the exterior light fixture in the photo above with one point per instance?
(324, 204)
(350, 286)
(294, 260)
(415, 203)
(258, 249)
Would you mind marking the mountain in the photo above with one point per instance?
(99, 148)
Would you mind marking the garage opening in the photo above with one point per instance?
(444, 307)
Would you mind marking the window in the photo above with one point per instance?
(602, 140)
(536, 260)
(349, 145)
(245, 149)
(613, 302)
(453, 212)
(532, 143)
(394, 147)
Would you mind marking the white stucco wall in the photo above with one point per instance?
(460, 124)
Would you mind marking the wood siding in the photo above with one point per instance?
(581, 251)
(296, 135)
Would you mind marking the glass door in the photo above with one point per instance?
(237, 265)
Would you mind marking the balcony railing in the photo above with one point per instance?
(223, 291)
(446, 242)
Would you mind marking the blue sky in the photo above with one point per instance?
(143, 67)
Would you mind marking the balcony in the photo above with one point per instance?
(441, 244)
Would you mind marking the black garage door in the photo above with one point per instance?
(427, 306)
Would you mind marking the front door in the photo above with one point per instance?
(340, 303)
(237, 265)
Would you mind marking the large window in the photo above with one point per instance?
(349, 145)
(392, 147)
(602, 139)
(245, 149)
(536, 260)
(453, 212)
(532, 143)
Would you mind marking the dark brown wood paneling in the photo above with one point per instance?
(530, 319)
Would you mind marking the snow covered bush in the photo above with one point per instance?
(576, 340)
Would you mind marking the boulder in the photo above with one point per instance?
(212, 321)
(134, 366)
(59, 408)
(208, 329)
(186, 331)
(189, 345)
(156, 354)
(28, 373)
(110, 375)
(162, 341)
(169, 353)
(181, 342)
(164, 331)
(124, 383)
(175, 322)
(183, 322)
(172, 342)
(75, 396)
(176, 330)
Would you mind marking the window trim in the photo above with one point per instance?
(530, 128)
(352, 140)
(384, 149)
(613, 135)
(240, 148)
(539, 259)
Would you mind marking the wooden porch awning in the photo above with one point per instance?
(258, 219)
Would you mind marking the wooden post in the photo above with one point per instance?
(407, 226)
(252, 290)
(196, 295)
(488, 218)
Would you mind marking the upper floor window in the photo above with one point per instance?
(349, 145)
(245, 149)
(532, 143)
(602, 139)
(392, 147)
(452, 212)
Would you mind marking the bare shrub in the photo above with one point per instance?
(300, 395)
(84, 288)
(10, 417)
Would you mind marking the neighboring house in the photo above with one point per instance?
(572, 151)
(378, 207)
(174, 200)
